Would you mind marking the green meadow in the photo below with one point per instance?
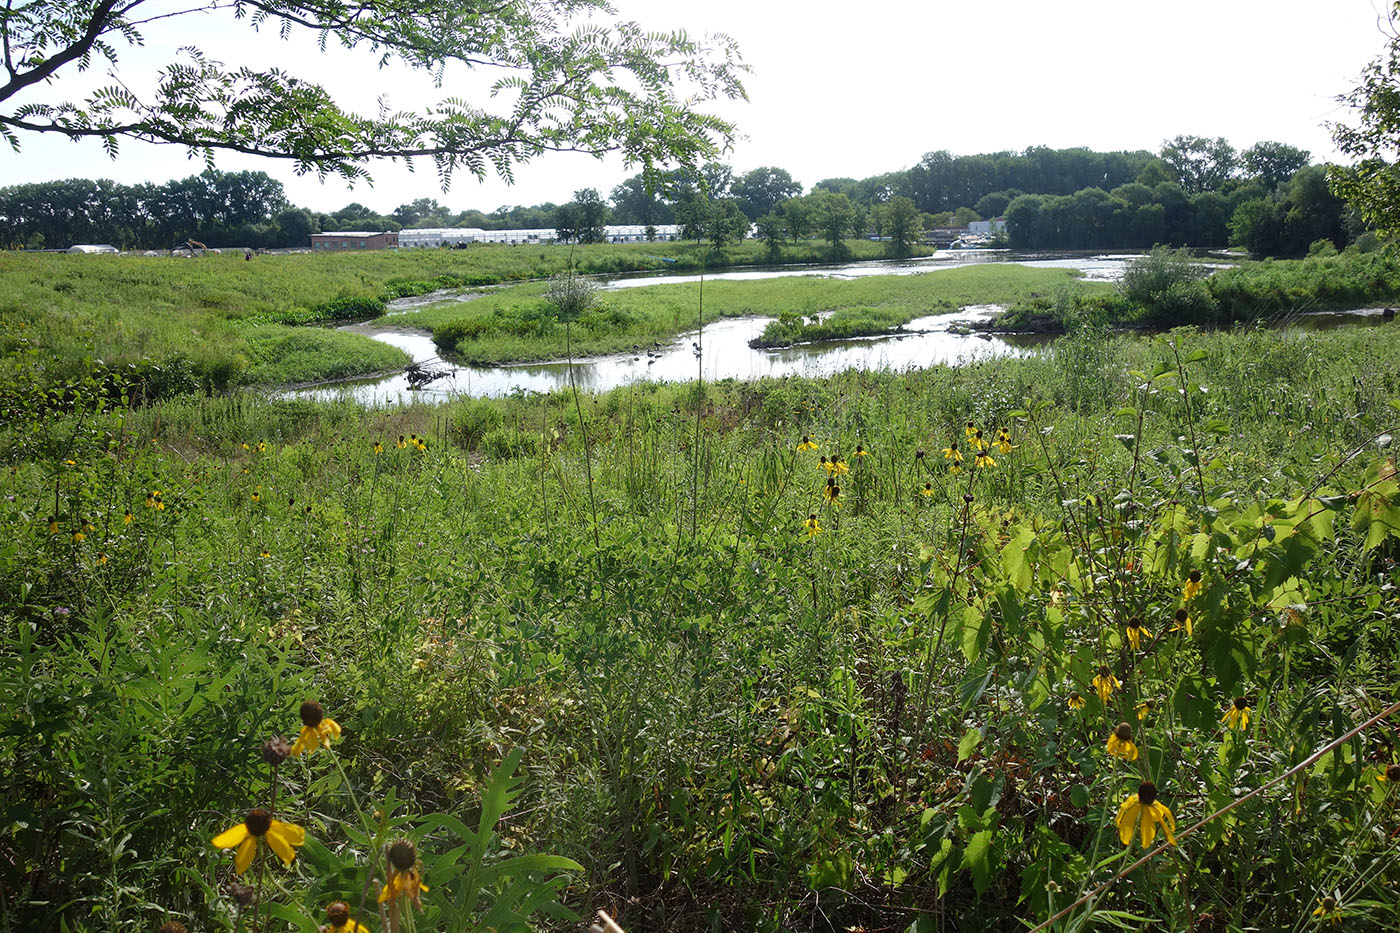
(645, 651)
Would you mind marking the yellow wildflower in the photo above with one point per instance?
(861, 451)
(1145, 709)
(1329, 908)
(127, 517)
(338, 920)
(832, 492)
(838, 466)
(402, 444)
(378, 447)
(979, 443)
(927, 491)
(1192, 585)
(78, 536)
(1106, 683)
(1120, 743)
(970, 429)
(1237, 715)
(813, 526)
(1183, 622)
(1075, 702)
(1003, 443)
(405, 878)
(984, 459)
(259, 826)
(262, 447)
(952, 453)
(1389, 775)
(1144, 812)
(807, 443)
(316, 728)
(53, 524)
(1136, 633)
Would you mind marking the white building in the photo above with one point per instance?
(461, 236)
(987, 227)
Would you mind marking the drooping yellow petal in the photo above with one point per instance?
(244, 858)
(277, 839)
(1127, 819)
(329, 730)
(231, 837)
(306, 741)
(294, 834)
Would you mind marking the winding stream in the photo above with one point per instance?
(925, 341)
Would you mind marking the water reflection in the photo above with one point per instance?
(726, 355)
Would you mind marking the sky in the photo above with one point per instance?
(838, 88)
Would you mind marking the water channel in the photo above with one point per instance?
(926, 341)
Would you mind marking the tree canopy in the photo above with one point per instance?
(1372, 185)
(561, 81)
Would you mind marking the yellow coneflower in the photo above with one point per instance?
(1120, 743)
(832, 493)
(262, 447)
(338, 920)
(378, 447)
(1330, 909)
(813, 526)
(257, 496)
(70, 463)
(1136, 633)
(101, 557)
(1183, 622)
(1192, 586)
(952, 453)
(861, 451)
(927, 491)
(807, 443)
(245, 446)
(979, 443)
(1145, 709)
(127, 517)
(1106, 683)
(405, 878)
(1144, 812)
(970, 429)
(1075, 701)
(984, 459)
(825, 464)
(1237, 715)
(264, 554)
(53, 524)
(1389, 775)
(402, 443)
(838, 466)
(316, 728)
(1003, 443)
(78, 535)
(257, 827)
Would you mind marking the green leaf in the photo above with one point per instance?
(977, 858)
(970, 740)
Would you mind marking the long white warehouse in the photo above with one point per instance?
(460, 236)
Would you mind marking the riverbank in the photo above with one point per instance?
(515, 325)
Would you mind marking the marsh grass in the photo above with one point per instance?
(718, 714)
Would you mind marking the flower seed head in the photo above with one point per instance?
(1124, 732)
(1103, 670)
(172, 926)
(1241, 702)
(967, 497)
(312, 714)
(1147, 793)
(1392, 773)
(338, 914)
(402, 855)
(1194, 576)
(244, 895)
(1135, 622)
(1181, 615)
(258, 821)
(1329, 903)
(275, 750)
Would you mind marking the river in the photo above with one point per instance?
(922, 342)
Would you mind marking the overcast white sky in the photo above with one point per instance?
(852, 88)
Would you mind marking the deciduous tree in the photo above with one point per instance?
(561, 81)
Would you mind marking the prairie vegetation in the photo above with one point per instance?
(732, 696)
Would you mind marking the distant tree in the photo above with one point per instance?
(420, 209)
(691, 215)
(566, 222)
(797, 214)
(591, 216)
(902, 225)
(1273, 163)
(964, 216)
(1154, 173)
(294, 227)
(650, 233)
(771, 229)
(1200, 164)
(832, 215)
(994, 204)
(638, 201)
(763, 189)
(860, 219)
(1290, 221)
(725, 223)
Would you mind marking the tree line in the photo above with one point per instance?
(1195, 191)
